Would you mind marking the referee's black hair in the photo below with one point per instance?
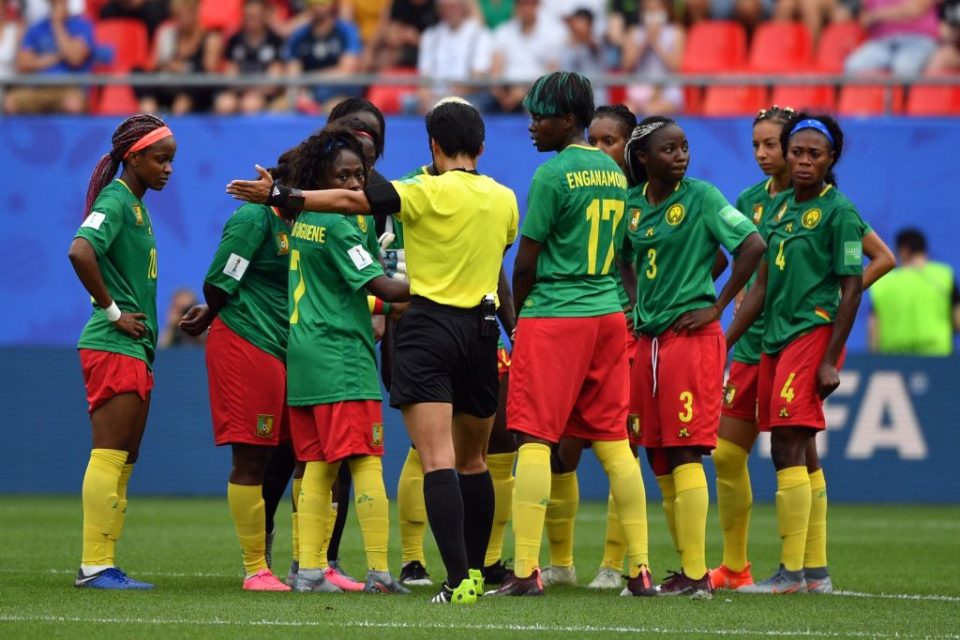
(640, 141)
(352, 106)
(560, 93)
(457, 127)
(911, 239)
(626, 118)
(315, 156)
(832, 126)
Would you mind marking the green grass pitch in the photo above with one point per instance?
(897, 569)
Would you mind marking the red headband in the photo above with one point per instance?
(147, 140)
(365, 134)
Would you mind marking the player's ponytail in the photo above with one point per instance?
(124, 137)
(640, 141)
(835, 138)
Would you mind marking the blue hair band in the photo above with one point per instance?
(816, 125)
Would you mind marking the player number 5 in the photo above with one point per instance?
(597, 211)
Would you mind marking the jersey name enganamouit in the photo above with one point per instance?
(119, 229)
(575, 209)
(251, 266)
(756, 203)
(675, 244)
(810, 245)
(330, 352)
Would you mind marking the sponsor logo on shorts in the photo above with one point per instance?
(376, 439)
(811, 218)
(265, 426)
(675, 214)
(784, 413)
(633, 424)
(729, 393)
(283, 243)
(683, 433)
(634, 219)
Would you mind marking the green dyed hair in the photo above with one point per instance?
(560, 93)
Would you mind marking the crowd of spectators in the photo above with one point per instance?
(505, 43)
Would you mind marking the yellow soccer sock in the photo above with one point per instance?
(561, 516)
(668, 489)
(331, 521)
(815, 553)
(734, 502)
(412, 511)
(100, 505)
(373, 510)
(614, 547)
(793, 514)
(692, 502)
(501, 472)
(121, 515)
(249, 519)
(314, 512)
(630, 497)
(530, 499)
(295, 529)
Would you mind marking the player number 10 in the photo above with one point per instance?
(597, 211)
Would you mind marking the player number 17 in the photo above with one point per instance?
(597, 211)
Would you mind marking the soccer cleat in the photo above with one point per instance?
(607, 578)
(336, 565)
(313, 580)
(268, 550)
(112, 578)
(818, 580)
(466, 593)
(724, 578)
(478, 582)
(554, 576)
(641, 585)
(292, 574)
(264, 581)
(383, 582)
(496, 573)
(514, 586)
(334, 576)
(414, 574)
(678, 584)
(782, 582)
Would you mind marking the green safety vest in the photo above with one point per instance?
(913, 309)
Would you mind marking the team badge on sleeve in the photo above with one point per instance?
(265, 426)
(376, 438)
(360, 257)
(675, 214)
(94, 220)
(811, 218)
(236, 266)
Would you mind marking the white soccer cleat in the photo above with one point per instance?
(559, 576)
(607, 578)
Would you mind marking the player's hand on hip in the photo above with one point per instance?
(252, 190)
(132, 324)
(196, 320)
(828, 379)
(696, 319)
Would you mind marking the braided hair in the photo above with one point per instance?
(353, 106)
(124, 137)
(835, 132)
(776, 113)
(640, 141)
(315, 156)
(621, 114)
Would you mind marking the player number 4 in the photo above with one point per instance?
(780, 261)
(787, 391)
(597, 211)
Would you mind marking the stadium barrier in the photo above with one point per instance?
(891, 434)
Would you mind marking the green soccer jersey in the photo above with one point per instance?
(810, 245)
(251, 266)
(330, 353)
(120, 231)
(675, 243)
(756, 202)
(575, 209)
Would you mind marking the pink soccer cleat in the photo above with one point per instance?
(264, 581)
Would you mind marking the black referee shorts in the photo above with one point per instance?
(441, 357)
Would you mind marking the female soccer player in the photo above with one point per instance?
(246, 310)
(332, 267)
(805, 330)
(115, 257)
(675, 227)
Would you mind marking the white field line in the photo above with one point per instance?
(573, 629)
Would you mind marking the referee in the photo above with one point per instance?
(457, 226)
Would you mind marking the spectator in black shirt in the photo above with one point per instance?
(152, 13)
(254, 49)
(397, 41)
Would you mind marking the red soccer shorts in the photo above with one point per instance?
(740, 392)
(247, 390)
(338, 430)
(569, 377)
(107, 374)
(687, 370)
(503, 361)
(787, 386)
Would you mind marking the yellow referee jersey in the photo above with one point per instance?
(456, 227)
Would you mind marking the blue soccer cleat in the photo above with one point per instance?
(112, 578)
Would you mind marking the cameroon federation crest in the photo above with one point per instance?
(674, 215)
(811, 218)
(376, 439)
(265, 426)
(634, 219)
(362, 223)
(633, 424)
(283, 243)
(757, 213)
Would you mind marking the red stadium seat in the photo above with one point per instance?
(223, 15)
(932, 100)
(129, 41)
(389, 98)
(734, 101)
(781, 46)
(836, 43)
(868, 100)
(715, 47)
(115, 100)
(807, 97)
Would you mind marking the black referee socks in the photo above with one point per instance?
(478, 504)
(441, 494)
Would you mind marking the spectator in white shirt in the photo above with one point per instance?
(583, 53)
(456, 49)
(525, 48)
